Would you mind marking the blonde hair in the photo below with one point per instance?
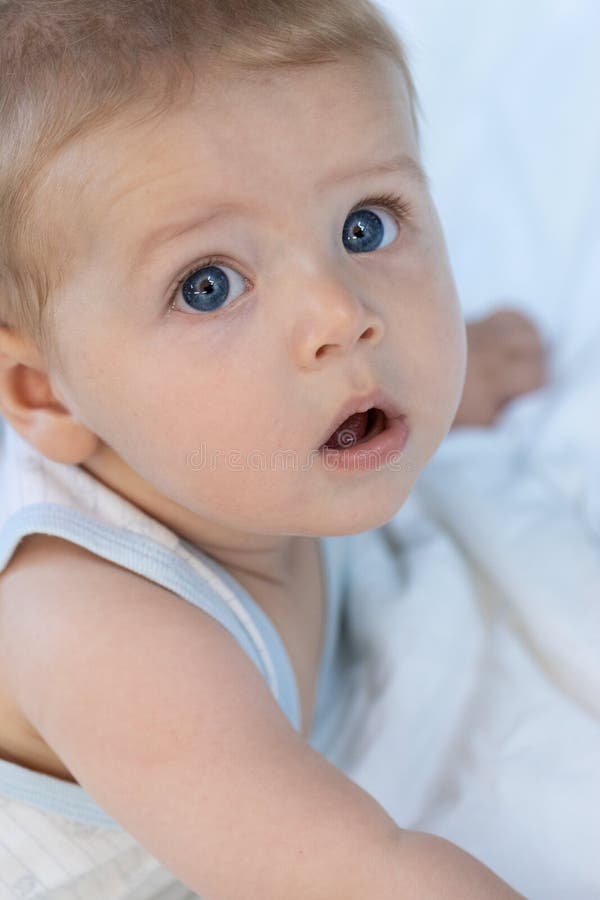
(68, 66)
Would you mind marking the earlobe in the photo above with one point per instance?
(29, 404)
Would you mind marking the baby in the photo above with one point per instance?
(218, 246)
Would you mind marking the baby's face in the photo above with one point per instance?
(215, 321)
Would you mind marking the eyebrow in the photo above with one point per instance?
(402, 162)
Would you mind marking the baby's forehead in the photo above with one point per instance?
(232, 137)
(294, 89)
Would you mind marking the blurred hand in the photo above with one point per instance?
(506, 358)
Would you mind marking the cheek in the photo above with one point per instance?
(449, 341)
(430, 332)
(453, 328)
(157, 394)
(447, 320)
(188, 402)
(450, 362)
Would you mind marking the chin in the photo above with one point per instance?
(379, 510)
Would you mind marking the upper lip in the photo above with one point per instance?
(361, 403)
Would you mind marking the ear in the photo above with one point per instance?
(30, 405)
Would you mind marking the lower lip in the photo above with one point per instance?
(374, 454)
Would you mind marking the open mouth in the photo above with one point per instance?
(358, 428)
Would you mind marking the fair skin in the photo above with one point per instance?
(141, 386)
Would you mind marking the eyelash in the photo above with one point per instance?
(401, 209)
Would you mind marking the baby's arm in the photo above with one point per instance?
(163, 719)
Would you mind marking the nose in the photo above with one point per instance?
(333, 319)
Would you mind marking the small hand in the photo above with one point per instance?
(506, 358)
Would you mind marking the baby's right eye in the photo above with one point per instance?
(207, 288)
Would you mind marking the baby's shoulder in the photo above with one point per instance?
(48, 550)
(62, 607)
(51, 583)
(48, 577)
(38, 558)
(48, 566)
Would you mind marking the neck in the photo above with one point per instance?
(262, 561)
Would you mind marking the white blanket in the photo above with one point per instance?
(477, 608)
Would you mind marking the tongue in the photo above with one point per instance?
(349, 433)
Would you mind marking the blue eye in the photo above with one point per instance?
(212, 286)
(364, 231)
(209, 288)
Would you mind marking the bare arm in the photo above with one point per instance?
(163, 719)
